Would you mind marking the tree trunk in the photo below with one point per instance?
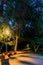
(16, 37)
(36, 48)
(16, 43)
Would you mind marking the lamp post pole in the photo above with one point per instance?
(7, 34)
(6, 45)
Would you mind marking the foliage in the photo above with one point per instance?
(29, 18)
(6, 33)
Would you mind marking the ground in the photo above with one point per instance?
(25, 59)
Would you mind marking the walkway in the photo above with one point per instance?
(25, 59)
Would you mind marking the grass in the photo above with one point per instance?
(38, 52)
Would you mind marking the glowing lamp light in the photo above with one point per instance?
(7, 32)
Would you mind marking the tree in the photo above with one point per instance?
(6, 34)
(28, 15)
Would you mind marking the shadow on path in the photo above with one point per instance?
(27, 63)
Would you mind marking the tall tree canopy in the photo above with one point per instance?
(28, 14)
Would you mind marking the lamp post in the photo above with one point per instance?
(7, 32)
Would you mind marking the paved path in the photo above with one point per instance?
(26, 59)
(0, 61)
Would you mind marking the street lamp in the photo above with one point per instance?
(7, 32)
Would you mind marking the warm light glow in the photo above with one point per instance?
(7, 32)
